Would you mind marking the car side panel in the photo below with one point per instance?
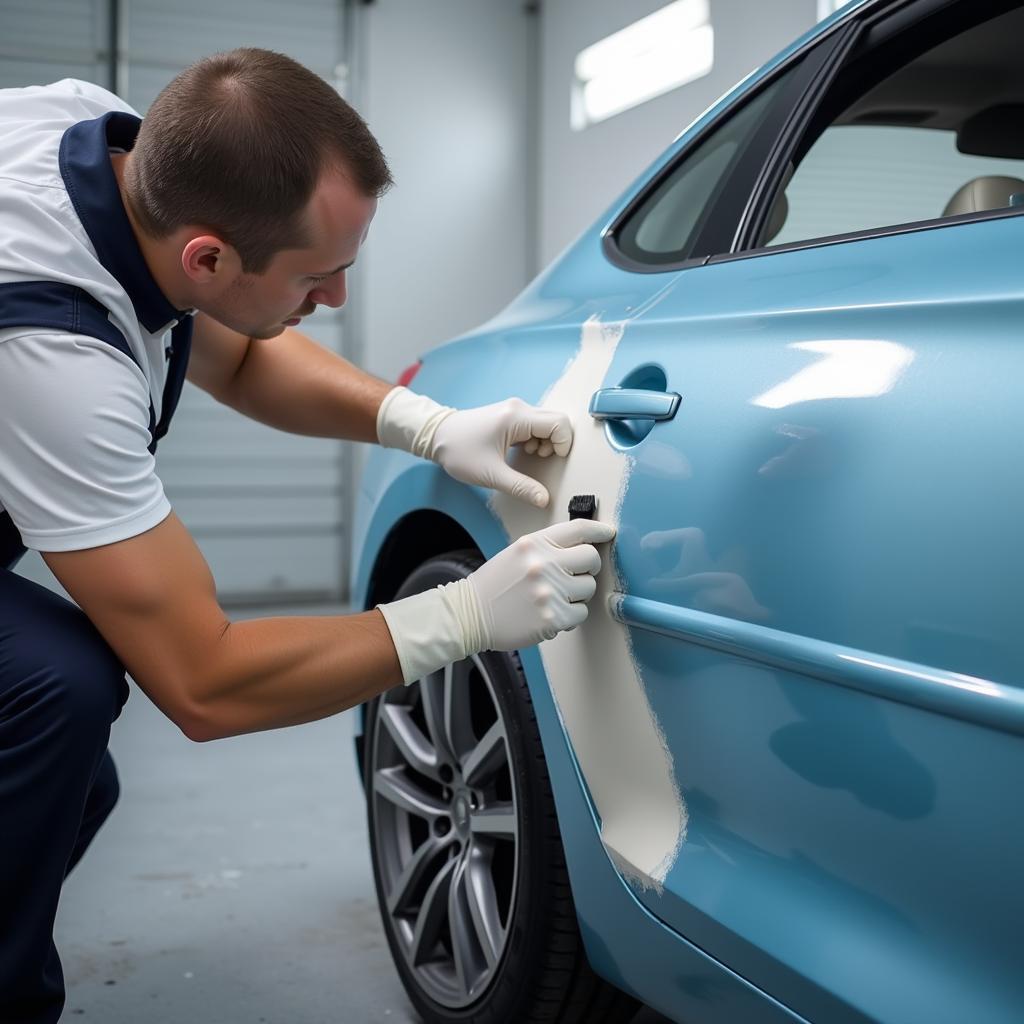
(625, 942)
(823, 551)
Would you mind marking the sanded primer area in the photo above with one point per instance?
(615, 735)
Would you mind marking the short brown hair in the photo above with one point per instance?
(237, 142)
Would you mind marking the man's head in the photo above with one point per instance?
(257, 182)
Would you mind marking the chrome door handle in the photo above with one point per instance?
(633, 404)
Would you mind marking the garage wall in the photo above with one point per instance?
(267, 509)
(44, 42)
(582, 173)
(446, 86)
(445, 89)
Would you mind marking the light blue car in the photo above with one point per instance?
(778, 775)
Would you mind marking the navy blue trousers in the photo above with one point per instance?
(60, 688)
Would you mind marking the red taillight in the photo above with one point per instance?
(408, 373)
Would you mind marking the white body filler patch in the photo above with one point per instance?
(615, 735)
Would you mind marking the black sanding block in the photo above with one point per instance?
(582, 506)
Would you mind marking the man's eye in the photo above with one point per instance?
(315, 279)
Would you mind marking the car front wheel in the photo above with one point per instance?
(467, 856)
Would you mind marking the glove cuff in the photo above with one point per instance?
(409, 421)
(435, 628)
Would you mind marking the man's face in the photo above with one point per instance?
(262, 305)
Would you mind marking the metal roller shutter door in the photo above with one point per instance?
(266, 507)
(44, 42)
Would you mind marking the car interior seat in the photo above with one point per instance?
(991, 192)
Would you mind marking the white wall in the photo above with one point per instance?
(444, 88)
(581, 173)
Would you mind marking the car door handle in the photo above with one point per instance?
(633, 404)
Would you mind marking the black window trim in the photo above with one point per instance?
(756, 185)
(755, 151)
(741, 186)
(910, 227)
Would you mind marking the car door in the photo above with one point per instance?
(819, 557)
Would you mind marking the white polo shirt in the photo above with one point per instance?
(76, 466)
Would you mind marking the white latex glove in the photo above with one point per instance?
(471, 444)
(532, 590)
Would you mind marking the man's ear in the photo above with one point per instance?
(207, 259)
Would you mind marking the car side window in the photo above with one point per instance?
(665, 224)
(938, 137)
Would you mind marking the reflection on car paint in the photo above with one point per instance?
(849, 368)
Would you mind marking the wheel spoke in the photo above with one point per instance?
(461, 928)
(444, 806)
(486, 757)
(403, 896)
(432, 915)
(482, 901)
(458, 726)
(432, 701)
(393, 786)
(498, 820)
(417, 750)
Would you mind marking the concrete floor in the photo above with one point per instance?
(232, 884)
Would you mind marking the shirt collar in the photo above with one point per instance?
(89, 177)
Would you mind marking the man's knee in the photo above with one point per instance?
(59, 669)
(85, 679)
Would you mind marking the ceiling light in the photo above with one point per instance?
(669, 48)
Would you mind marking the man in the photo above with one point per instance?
(129, 256)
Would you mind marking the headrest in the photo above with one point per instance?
(995, 131)
(780, 208)
(777, 217)
(991, 192)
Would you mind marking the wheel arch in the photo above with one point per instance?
(412, 513)
(415, 538)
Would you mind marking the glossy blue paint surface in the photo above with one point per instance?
(841, 473)
(961, 697)
(821, 560)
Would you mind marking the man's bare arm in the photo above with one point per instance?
(288, 382)
(153, 599)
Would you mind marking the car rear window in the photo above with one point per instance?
(668, 220)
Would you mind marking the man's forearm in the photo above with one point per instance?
(270, 673)
(292, 383)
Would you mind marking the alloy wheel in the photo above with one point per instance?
(446, 828)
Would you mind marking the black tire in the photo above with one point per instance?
(541, 973)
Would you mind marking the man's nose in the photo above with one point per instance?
(331, 292)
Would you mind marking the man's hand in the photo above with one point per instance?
(532, 590)
(471, 444)
(540, 584)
